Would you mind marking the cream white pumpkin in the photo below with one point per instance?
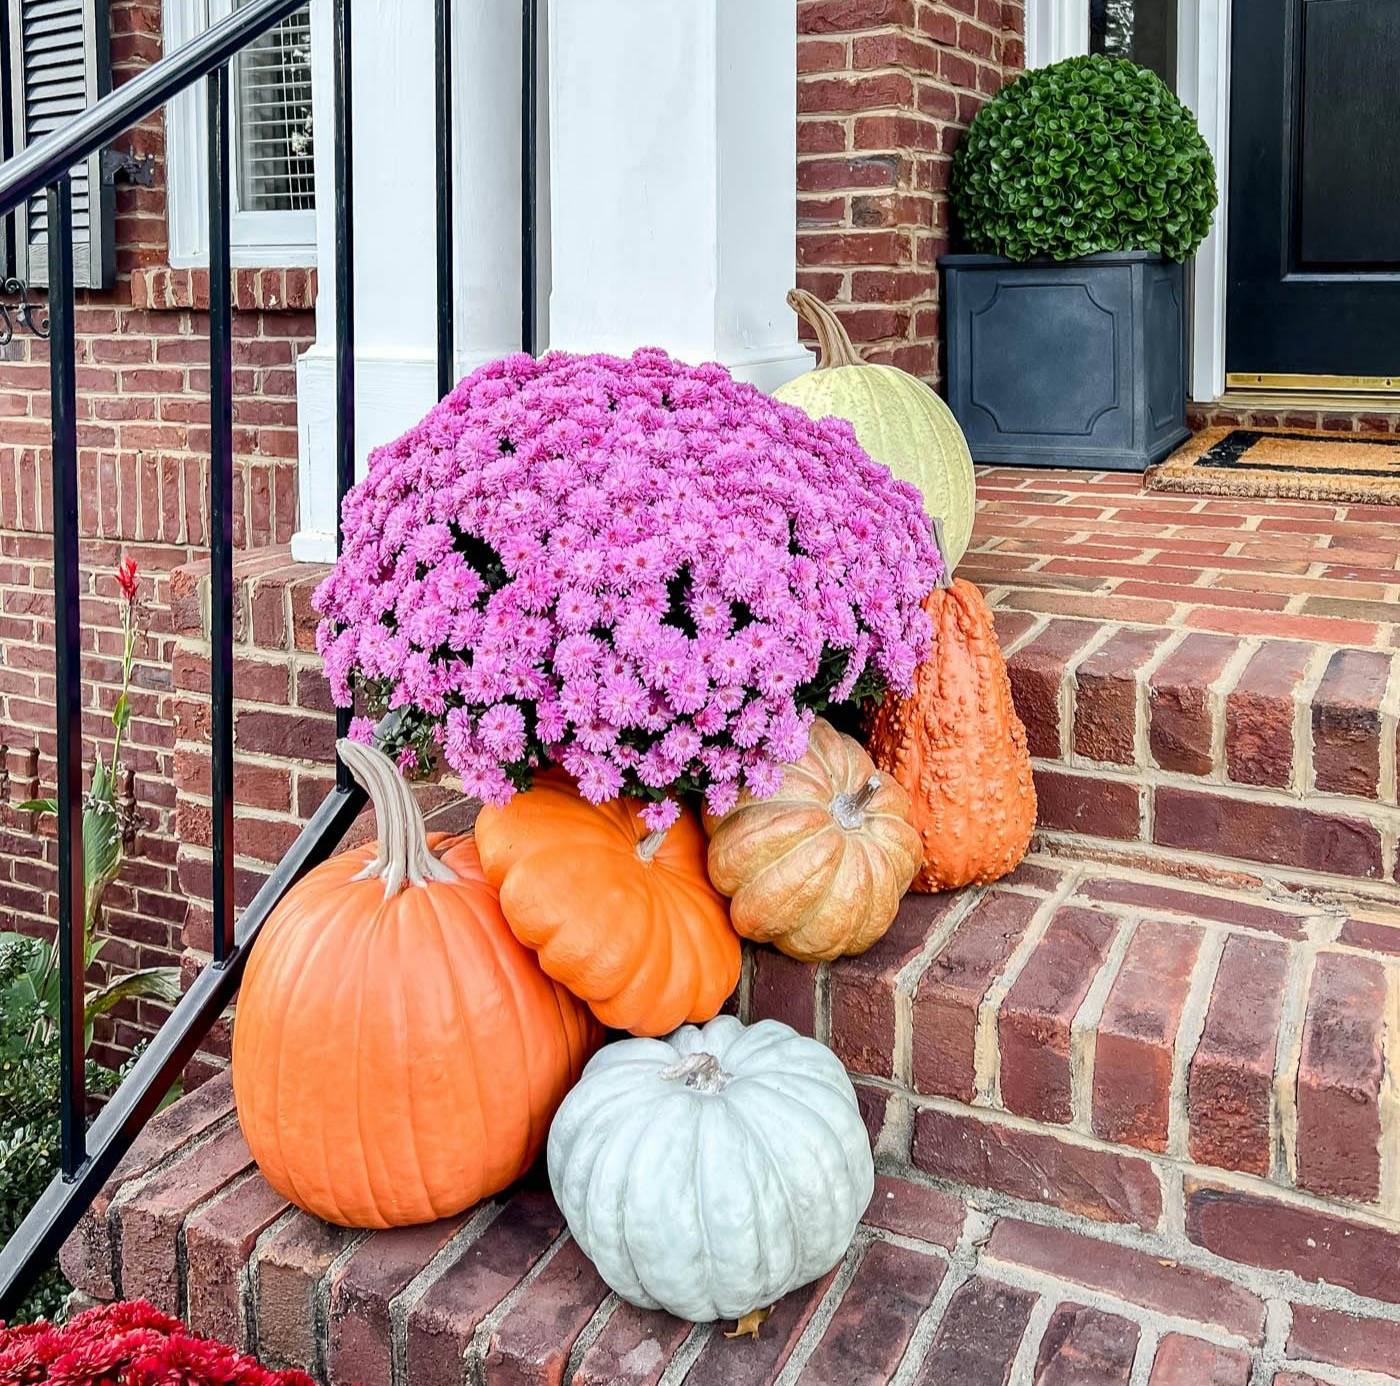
(712, 1172)
(897, 419)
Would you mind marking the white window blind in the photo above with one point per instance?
(272, 89)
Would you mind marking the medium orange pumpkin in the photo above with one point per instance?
(397, 1054)
(818, 869)
(625, 918)
(958, 747)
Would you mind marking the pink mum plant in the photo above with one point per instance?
(643, 571)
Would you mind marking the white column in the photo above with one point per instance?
(395, 227)
(672, 187)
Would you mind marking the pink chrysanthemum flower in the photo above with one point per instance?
(643, 571)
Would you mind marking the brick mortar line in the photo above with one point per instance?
(1142, 702)
(402, 1305)
(250, 1281)
(321, 1301)
(590, 1331)
(1190, 1028)
(1023, 1364)
(931, 1320)
(1152, 777)
(131, 1191)
(1388, 790)
(1389, 1196)
(682, 1360)
(1283, 1107)
(1067, 703)
(986, 1049)
(1160, 1244)
(1304, 695)
(906, 983)
(1025, 638)
(1084, 1027)
(1347, 892)
(475, 1361)
(811, 1336)
(1046, 1283)
(1218, 693)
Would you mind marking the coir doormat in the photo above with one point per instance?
(1292, 463)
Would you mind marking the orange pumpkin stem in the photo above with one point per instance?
(834, 345)
(403, 858)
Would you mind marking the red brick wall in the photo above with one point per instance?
(885, 89)
(143, 439)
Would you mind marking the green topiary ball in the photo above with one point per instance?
(1089, 154)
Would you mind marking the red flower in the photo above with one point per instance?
(126, 578)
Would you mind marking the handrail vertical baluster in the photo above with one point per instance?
(529, 172)
(446, 306)
(344, 296)
(221, 511)
(72, 892)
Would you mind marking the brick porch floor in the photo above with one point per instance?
(1210, 687)
(1098, 545)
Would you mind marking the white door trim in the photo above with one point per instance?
(1203, 83)
(1057, 29)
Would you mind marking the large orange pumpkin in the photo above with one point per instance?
(625, 918)
(818, 869)
(397, 1054)
(958, 747)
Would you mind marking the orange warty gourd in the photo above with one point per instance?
(625, 918)
(818, 869)
(397, 1054)
(958, 747)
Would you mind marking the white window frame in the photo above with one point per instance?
(260, 240)
(1057, 29)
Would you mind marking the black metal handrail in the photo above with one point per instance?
(89, 1154)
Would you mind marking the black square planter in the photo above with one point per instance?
(1074, 363)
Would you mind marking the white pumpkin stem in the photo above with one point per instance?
(403, 858)
(834, 345)
(849, 809)
(945, 581)
(650, 845)
(701, 1072)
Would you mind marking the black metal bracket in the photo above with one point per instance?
(122, 163)
(32, 317)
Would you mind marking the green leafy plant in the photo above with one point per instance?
(30, 985)
(1087, 155)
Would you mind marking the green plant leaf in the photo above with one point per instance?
(102, 856)
(121, 713)
(146, 983)
(38, 806)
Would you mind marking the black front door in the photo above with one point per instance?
(1314, 230)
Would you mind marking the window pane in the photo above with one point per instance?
(1143, 30)
(272, 90)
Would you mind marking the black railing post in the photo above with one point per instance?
(344, 296)
(221, 513)
(529, 171)
(72, 892)
(446, 307)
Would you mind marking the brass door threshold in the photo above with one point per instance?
(1262, 381)
(1335, 402)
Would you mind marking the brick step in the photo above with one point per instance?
(1216, 754)
(936, 1287)
(1089, 1037)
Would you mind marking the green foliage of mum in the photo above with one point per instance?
(1087, 155)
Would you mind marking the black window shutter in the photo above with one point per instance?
(60, 63)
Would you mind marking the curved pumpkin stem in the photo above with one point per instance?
(403, 858)
(701, 1071)
(849, 809)
(834, 346)
(650, 845)
(946, 580)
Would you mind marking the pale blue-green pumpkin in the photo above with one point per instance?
(898, 420)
